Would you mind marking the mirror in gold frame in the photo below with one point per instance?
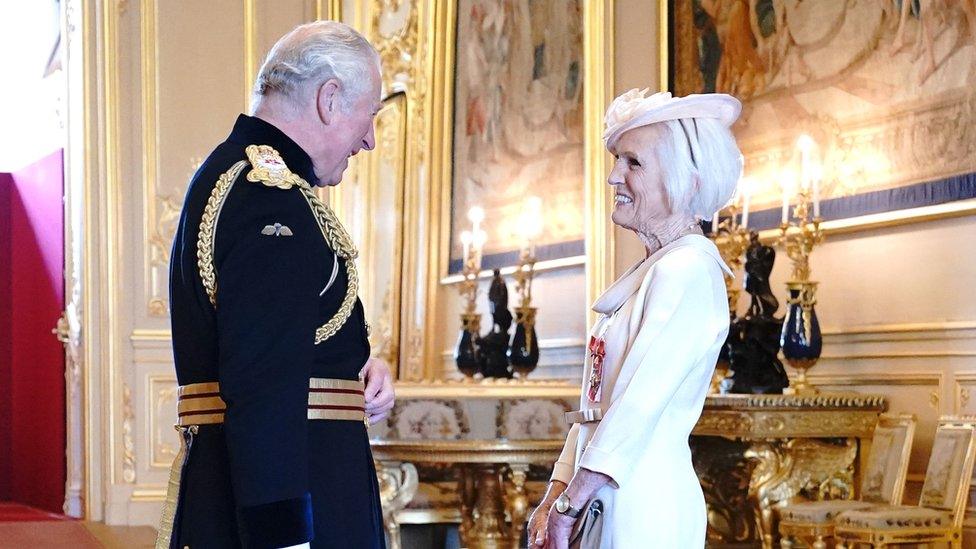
(372, 206)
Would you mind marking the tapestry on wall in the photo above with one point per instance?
(518, 125)
(886, 88)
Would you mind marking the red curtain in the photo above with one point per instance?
(32, 399)
(6, 345)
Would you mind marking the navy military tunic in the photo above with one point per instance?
(267, 476)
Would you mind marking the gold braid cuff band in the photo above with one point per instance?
(329, 399)
(269, 170)
(201, 404)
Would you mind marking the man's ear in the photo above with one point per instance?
(327, 100)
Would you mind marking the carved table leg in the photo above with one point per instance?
(466, 491)
(488, 530)
(517, 502)
(398, 484)
(785, 469)
(724, 475)
(772, 469)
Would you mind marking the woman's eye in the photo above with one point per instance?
(633, 163)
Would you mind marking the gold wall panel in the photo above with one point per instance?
(189, 102)
(371, 201)
(397, 30)
(164, 442)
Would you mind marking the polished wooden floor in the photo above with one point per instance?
(74, 534)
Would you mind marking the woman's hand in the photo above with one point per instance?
(558, 529)
(538, 519)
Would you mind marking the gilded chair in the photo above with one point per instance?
(939, 515)
(882, 482)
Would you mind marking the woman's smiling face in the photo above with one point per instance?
(637, 178)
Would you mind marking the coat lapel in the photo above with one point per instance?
(627, 285)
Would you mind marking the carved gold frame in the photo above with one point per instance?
(419, 61)
(893, 218)
(391, 136)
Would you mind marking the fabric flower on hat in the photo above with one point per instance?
(631, 105)
(624, 106)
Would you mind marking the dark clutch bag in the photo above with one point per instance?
(589, 528)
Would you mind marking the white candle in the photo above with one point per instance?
(476, 215)
(806, 145)
(478, 242)
(816, 196)
(745, 207)
(786, 199)
(715, 223)
(466, 245)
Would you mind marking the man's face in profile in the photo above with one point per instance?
(354, 130)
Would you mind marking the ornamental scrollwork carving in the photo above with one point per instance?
(807, 468)
(398, 483)
(128, 443)
(395, 35)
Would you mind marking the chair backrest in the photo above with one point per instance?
(950, 467)
(883, 479)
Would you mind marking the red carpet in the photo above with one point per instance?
(18, 512)
(48, 535)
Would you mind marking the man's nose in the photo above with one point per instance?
(369, 142)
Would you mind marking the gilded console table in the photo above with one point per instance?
(751, 453)
(491, 481)
(782, 447)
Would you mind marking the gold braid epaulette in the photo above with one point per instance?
(279, 176)
(338, 239)
(208, 229)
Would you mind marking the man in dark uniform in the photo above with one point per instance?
(269, 336)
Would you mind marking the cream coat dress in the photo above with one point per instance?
(663, 322)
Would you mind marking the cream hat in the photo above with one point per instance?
(633, 110)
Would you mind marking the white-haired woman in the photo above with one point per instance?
(625, 477)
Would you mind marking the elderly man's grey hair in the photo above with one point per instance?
(702, 148)
(310, 55)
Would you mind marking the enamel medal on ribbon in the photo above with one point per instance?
(597, 349)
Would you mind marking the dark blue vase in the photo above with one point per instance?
(467, 355)
(524, 352)
(801, 340)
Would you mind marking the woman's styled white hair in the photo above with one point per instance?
(702, 149)
(312, 54)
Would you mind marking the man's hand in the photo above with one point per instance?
(379, 389)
